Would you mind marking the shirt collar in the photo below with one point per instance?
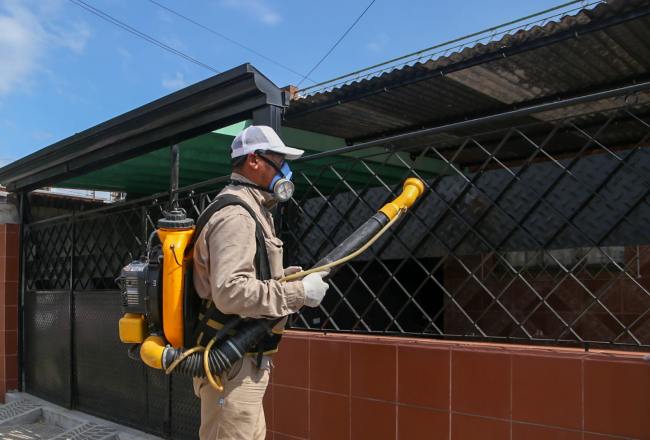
(262, 197)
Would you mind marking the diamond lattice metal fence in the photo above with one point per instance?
(534, 230)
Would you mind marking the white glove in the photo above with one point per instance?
(315, 288)
(291, 270)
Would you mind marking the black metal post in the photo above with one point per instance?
(173, 178)
(174, 217)
(23, 199)
(72, 397)
(270, 115)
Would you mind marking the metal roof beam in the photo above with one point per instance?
(524, 111)
(210, 104)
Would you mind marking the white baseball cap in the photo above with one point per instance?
(261, 137)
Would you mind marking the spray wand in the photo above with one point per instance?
(211, 362)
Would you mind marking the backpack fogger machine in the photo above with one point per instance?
(157, 292)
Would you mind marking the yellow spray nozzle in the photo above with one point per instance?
(413, 188)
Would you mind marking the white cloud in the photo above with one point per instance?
(50, 7)
(125, 56)
(74, 37)
(258, 9)
(164, 16)
(42, 136)
(7, 123)
(175, 42)
(175, 83)
(378, 44)
(124, 53)
(22, 42)
(26, 37)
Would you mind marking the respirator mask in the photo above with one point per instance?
(281, 185)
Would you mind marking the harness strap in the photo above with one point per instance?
(210, 314)
(262, 267)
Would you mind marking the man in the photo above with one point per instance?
(225, 271)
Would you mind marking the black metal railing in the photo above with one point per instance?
(536, 232)
(533, 229)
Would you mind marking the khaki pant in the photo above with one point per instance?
(237, 412)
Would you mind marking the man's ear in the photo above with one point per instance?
(253, 161)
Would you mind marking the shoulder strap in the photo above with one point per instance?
(262, 265)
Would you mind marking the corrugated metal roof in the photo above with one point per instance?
(593, 49)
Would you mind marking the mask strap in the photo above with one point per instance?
(250, 185)
(270, 162)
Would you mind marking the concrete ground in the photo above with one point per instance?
(25, 417)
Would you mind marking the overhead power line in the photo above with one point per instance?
(502, 29)
(337, 42)
(103, 15)
(227, 38)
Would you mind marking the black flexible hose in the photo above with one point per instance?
(191, 365)
(222, 357)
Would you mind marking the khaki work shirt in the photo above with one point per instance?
(224, 260)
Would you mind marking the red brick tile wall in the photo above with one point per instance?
(9, 255)
(358, 387)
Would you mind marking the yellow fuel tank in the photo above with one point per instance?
(133, 328)
(174, 242)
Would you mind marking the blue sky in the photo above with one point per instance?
(64, 70)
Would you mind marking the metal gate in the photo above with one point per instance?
(72, 353)
(533, 228)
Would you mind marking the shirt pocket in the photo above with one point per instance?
(274, 252)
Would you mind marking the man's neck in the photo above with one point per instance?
(265, 198)
(249, 176)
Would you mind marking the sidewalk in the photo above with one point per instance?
(25, 417)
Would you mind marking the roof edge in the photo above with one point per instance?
(207, 105)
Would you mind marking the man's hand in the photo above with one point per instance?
(291, 270)
(315, 288)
